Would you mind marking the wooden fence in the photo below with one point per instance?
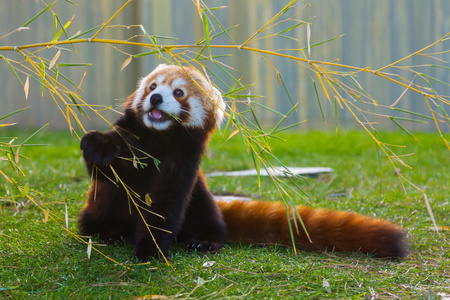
(376, 33)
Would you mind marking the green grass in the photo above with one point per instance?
(38, 259)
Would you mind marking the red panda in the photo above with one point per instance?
(147, 187)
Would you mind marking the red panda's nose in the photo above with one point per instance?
(156, 99)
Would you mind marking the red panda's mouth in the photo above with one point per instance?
(157, 115)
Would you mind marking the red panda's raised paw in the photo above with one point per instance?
(98, 148)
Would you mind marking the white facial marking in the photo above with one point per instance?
(178, 82)
(160, 79)
(197, 113)
(139, 93)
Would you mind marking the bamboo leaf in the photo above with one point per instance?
(199, 9)
(145, 53)
(56, 72)
(89, 248)
(292, 27)
(26, 188)
(229, 121)
(63, 29)
(55, 25)
(214, 8)
(148, 200)
(336, 115)
(269, 109)
(84, 32)
(55, 58)
(214, 57)
(8, 124)
(126, 63)
(202, 40)
(323, 42)
(257, 164)
(287, 37)
(243, 96)
(434, 79)
(288, 127)
(237, 90)
(218, 22)
(42, 65)
(38, 14)
(74, 64)
(402, 128)
(283, 118)
(233, 134)
(151, 39)
(252, 110)
(318, 101)
(308, 38)
(438, 103)
(26, 87)
(77, 105)
(207, 37)
(34, 133)
(410, 120)
(166, 37)
(285, 89)
(11, 67)
(412, 113)
(442, 67)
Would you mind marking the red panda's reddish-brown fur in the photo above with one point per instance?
(266, 223)
(170, 117)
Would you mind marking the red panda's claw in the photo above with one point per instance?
(204, 246)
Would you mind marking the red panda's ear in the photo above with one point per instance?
(130, 99)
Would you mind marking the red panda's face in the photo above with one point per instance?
(171, 95)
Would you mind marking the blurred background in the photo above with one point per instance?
(374, 34)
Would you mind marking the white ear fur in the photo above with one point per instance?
(160, 66)
(219, 105)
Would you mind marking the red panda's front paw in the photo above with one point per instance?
(147, 256)
(204, 246)
(98, 149)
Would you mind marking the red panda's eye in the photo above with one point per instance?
(152, 86)
(178, 93)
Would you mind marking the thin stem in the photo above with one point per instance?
(110, 19)
(170, 47)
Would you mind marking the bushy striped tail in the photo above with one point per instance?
(266, 223)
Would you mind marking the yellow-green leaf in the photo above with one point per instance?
(148, 200)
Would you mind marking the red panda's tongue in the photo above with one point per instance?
(156, 114)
